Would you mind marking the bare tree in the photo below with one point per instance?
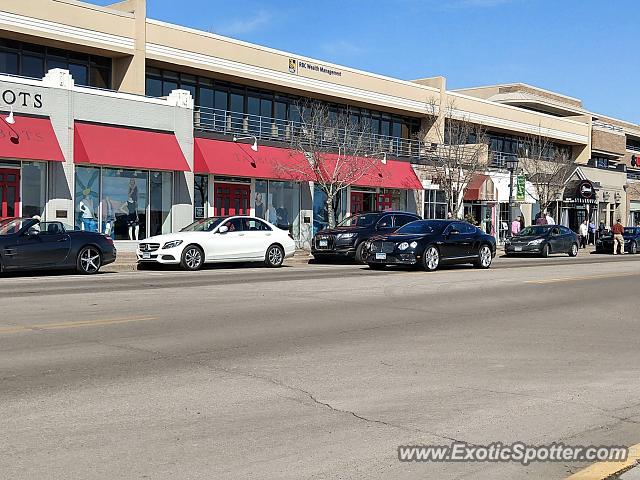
(330, 149)
(459, 151)
(546, 167)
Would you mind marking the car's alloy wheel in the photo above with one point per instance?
(633, 248)
(192, 258)
(89, 261)
(574, 250)
(359, 250)
(431, 259)
(484, 257)
(274, 256)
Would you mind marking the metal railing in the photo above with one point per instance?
(633, 148)
(607, 126)
(226, 122)
(499, 159)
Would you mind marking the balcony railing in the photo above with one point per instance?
(226, 122)
(607, 126)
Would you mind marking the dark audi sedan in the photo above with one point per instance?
(348, 237)
(631, 237)
(29, 244)
(543, 240)
(430, 243)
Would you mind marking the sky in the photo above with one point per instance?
(588, 49)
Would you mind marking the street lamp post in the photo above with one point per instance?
(512, 165)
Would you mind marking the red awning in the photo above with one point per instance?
(480, 187)
(127, 147)
(32, 138)
(238, 160)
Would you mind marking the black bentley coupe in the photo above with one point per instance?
(29, 244)
(431, 243)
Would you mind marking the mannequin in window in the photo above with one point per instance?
(133, 221)
(109, 216)
(86, 208)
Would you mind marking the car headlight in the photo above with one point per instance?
(171, 244)
(345, 236)
(403, 246)
(413, 244)
(537, 241)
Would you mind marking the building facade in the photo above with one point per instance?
(126, 125)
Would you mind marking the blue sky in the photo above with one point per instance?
(583, 48)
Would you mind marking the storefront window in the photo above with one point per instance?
(260, 205)
(435, 206)
(200, 196)
(398, 199)
(161, 199)
(87, 198)
(278, 203)
(34, 191)
(125, 199)
(320, 217)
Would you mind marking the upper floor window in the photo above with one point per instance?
(633, 144)
(30, 60)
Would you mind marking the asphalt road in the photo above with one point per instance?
(314, 372)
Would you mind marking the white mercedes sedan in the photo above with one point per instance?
(219, 239)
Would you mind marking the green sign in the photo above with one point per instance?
(520, 189)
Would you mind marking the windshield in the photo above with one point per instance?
(203, 225)
(9, 227)
(534, 230)
(360, 220)
(420, 227)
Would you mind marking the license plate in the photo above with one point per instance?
(323, 243)
(146, 255)
(381, 256)
(517, 249)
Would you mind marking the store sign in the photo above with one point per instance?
(586, 190)
(11, 97)
(521, 189)
(301, 67)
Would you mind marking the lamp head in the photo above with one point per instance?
(254, 147)
(10, 119)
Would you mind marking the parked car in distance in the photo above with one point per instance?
(631, 237)
(29, 244)
(219, 239)
(347, 239)
(543, 240)
(429, 244)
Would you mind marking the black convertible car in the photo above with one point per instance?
(28, 244)
(631, 237)
(430, 243)
(543, 240)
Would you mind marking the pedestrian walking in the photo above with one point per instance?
(515, 226)
(550, 220)
(542, 219)
(592, 233)
(602, 230)
(618, 239)
(583, 230)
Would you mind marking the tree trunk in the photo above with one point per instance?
(331, 215)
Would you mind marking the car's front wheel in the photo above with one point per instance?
(274, 256)
(431, 259)
(574, 250)
(546, 250)
(89, 261)
(484, 257)
(192, 258)
(358, 256)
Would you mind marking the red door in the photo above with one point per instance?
(9, 193)
(231, 199)
(357, 202)
(383, 201)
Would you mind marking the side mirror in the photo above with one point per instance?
(223, 229)
(32, 232)
(453, 231)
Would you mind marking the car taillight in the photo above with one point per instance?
(108, 239)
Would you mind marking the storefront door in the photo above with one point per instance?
(231, 199)
(9, 193)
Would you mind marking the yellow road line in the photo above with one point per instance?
(66, 325)
(584, 277)
(603, 470)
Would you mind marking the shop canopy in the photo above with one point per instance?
(127, 147)
(480, 188)
(238, 160)
(29, 138)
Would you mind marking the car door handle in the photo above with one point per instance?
(241, 234)
(268, 234)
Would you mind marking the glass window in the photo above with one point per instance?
(234, 224)
(168, 86)
(153, 87)
(260, 205)
(385, 222)
(251, 224)
(435, 206)
(34, 188)
(87, 198)
(32, 66)
(201, 196)
(401, 220)
(9, 63)
(125, 198)
(221, 99)
(80, 73)
(160, 201)
(283, 205)
(100, 77)
(206, 97)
